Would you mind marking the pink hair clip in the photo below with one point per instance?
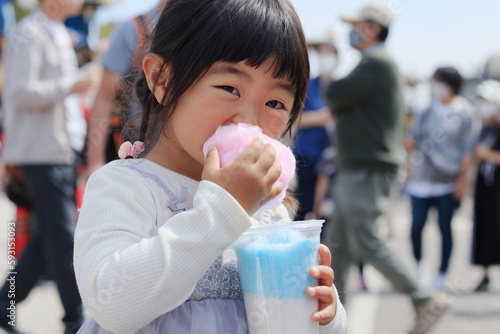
(127, 150)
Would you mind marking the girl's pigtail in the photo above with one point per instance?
(127, 149)
(144, 95)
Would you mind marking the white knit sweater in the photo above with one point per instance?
(135, 258)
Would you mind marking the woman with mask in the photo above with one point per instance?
(441, 144)
(486, 245)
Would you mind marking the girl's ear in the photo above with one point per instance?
(156, 75)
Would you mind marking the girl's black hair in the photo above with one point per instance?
(191, 35)
(450, 76)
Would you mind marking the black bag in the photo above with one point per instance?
(18, 194)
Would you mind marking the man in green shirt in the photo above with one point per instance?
(368, 107)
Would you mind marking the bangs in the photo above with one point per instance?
(262, 34)
(236, 30)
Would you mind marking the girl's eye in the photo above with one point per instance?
(275, 104)
(230, 89)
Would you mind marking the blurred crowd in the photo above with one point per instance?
(66, 100)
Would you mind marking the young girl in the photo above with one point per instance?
(152, 249)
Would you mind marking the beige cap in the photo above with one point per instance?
(374, 11)
(490, 91)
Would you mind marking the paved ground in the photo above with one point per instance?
(381, 311)
(378, 311)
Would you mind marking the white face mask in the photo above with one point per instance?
(440, 91)
(486, 109)
(327, 63)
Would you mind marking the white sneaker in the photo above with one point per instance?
(427, 315)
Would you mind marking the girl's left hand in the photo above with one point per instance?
(325, 292)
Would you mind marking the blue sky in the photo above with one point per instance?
(425, 34)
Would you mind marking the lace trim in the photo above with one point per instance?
(175, 204)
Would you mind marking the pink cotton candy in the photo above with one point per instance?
(230, 141)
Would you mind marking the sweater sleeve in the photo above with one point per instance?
(339, 324)
(129, 271)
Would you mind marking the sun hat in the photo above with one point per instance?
(374, 11)
(489, 90)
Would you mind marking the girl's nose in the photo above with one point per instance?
(247, 114)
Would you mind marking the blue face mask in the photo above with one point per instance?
(355, 38)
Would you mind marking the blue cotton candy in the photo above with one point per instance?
(277, 264)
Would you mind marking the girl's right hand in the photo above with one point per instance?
(251, 178)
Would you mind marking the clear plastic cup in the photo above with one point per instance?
(273, 265)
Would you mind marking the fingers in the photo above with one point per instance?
(271, 169)
(212, 160)
(267, 158)
(262, 155)
(325, 256)
(276, 189)
(325, 291)
(324, 275)
(262, 158)
(251, 178)
(212, 171)
(272, 173)
(327, 303)
(252, 152)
